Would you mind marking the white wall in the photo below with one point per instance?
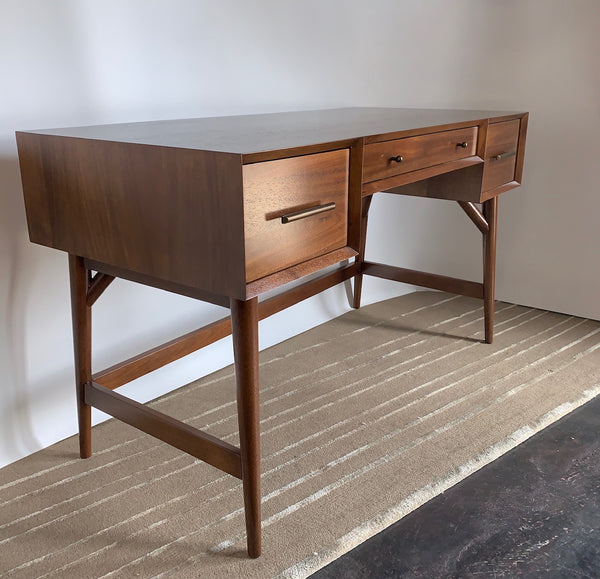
(98, 61)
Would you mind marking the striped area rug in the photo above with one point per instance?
(363, 419)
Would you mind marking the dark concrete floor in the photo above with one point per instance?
(534, 512)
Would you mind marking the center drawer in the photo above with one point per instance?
(399, 156)
(295, 209)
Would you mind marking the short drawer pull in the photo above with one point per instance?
(503, 155)
(289, 217)
(463, 145)
(396, 159)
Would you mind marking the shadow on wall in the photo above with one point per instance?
(424, 234)
(15, 425)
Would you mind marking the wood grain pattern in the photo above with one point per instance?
(422, 174)
(161, 284)
(87, 189)
(485, 195)
(159, 356)
(97, 286)
(475, 216)
(38, 199)
(194, 206)
(275, 133)
(366, 205)
(490, 212)
(477, 118)
(174, 215)
(355, 194)
(462, 184)
(502, 139)
(81, 315)
(306, 290)
(417, 152)
(244, 321)
(296, 272)
(482, 132)
(521, 149)
(275, 188)
(431, 280)
(199, 444)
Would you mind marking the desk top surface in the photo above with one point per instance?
(248, 134)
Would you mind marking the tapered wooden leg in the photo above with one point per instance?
(358, 279)
(490, 212)
(244, 321)
(82, 344)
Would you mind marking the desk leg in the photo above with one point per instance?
(81, 314)
(358, 279)
(244, 320)
(490, 212)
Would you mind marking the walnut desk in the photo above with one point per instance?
(225, 209)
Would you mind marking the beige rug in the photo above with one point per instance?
(363, 419)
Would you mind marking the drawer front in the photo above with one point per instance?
(391, 158)
(294, 209)
(501, 154)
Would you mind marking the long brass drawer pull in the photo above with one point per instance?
(503, 155)
(289, 217)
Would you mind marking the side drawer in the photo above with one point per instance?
(399, 156)
(500, 154)
(295, 209)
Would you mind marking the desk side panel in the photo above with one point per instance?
(172, 214)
